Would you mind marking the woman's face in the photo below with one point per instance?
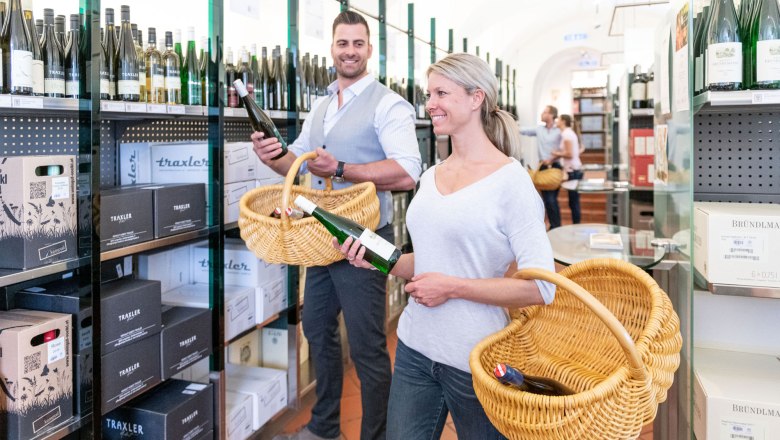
(561, 123)
(449, 105)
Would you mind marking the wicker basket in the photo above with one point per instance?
(620, 372)
(303, 242)
(548, 179)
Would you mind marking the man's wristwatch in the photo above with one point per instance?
(339, 176)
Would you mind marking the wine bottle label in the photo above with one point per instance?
(158, 81)
(37, 77)
(724, 63)
(650, 90)
(112, 88)
(21, 68)
(698, 81)
(768, 60)
(128, 87)
(72, 88)
(104, 89)
(54, 86)
(379, 245)
(172, 83)
(638, 91)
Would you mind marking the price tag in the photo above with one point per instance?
(112, 106)
(156, 108)
(229, 112)
(742, 248)
(176, 109)
(740, 431)
(6, 101)
(135, 107)
(766, 97)
(27, 102)
(56, 350)
(193, 110)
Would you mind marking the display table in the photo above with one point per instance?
(571, 244)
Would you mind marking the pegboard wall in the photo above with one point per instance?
(39, 135)
(737, 156)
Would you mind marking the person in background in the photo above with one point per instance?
(370, 136)
(474, 215)
(569, 153)
(548, 139)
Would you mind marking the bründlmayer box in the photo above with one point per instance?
(733, 243)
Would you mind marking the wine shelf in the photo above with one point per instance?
(742, 97)
(156, 244)
(63, 430)
(11, 276)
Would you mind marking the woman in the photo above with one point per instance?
(569, 153)
(474, 215)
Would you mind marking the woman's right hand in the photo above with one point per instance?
(354, 252)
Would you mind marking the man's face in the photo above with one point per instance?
(547, 117)
(350, 50)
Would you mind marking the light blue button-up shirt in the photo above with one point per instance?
(547, 139)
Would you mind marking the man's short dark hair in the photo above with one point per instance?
(350, 17)
(553, 111)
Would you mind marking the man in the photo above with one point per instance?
(370, 135)
(548, 138)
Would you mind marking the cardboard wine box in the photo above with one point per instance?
(175, 410)
(178, 208)
(38, 214)
(232, 197)
(270, 298)
(128, 372)
(82, 369)
(181, 162)
(126, 217)
(36, 372)
(733, 243)
(63, 296)
(240, 162)
(130, 311)
(242, 267)
(267, 388)
(239, 304)
(246, 350)
(135, 163)
(275, 345)
(185, 338)
(735, 395)
(171, 267)
(239, 415)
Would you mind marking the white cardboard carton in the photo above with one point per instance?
(239, 304)
(240, 162)
(267, 388)
(275, 346)
(233, 193)
(733, 243)
(270, 298)
(242, 267)
(736, 395)
(171, 267)
(135, 163)
(246, 350)
(239, 415)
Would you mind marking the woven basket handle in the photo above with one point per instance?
(635, 362)
(288, 184)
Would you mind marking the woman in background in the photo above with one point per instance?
(569, 153)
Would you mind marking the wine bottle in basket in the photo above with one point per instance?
(379, 252)
(257, 117)
(532, 384)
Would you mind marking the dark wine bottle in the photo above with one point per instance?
(2, 17)
(105, 75)
(230, 76)
(764, 41)
(190, 73)
(263, 82)
(245, 74)
(638, 89)
(17, 52)
(110, 45)
(155, 71)
(59, 30)
(208, 87)
(724, 51)
(379, 252)
(73, 59)
(127, 61)
(256, 86)
(171, 67)
(531, 384)
(39, 26)
(35, 45)
(53, 61)
(259, 120)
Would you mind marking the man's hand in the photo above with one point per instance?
(266, 149)
(324, 165)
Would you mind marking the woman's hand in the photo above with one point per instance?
(354, 252)
(431, 289)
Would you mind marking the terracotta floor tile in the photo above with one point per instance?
(449, 432)
(351, 429)
(647, 428)
(351, 386)
(646, 436)
(351, 408)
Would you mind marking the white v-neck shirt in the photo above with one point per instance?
(475, 232)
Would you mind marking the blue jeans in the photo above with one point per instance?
(550, 199)
(361, 295)
(423, 392)
(574, 198)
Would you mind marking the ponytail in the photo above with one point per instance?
(501, 128)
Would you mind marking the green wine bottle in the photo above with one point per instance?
(257, 118)
(724, 51)
(190, 73)
(764, 41)
(126, 61)
(379, 252)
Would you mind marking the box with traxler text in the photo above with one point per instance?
(129, 372)
(241, 266)
(38, 213)
(178, 208)
(126, 217)
(185, 338)
(733, 243)
(175, 410)
(130, 311)
(36, 372)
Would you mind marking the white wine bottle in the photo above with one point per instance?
(126, 61)
(724, 48)
(379, 252)
(258, 119)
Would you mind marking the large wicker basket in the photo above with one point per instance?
(617, 346)
(547, 179)
(303, 242)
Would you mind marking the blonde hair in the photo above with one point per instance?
(472, 73)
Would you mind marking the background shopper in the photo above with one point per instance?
(548, 139)
(474, 215)
(370, 135)
(569, 153)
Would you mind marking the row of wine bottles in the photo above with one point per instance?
(736, 50)
(642, 89)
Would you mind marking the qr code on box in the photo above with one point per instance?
(32, 362)
(37, 190)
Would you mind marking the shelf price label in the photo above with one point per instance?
(156, 108)
(112, 106)
(27, 102)
(176, 109)
(6, 101)
(766, 97)
(135, 107)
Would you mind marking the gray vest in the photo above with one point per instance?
(353, 140)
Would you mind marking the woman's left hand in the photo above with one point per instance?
(431, 289)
